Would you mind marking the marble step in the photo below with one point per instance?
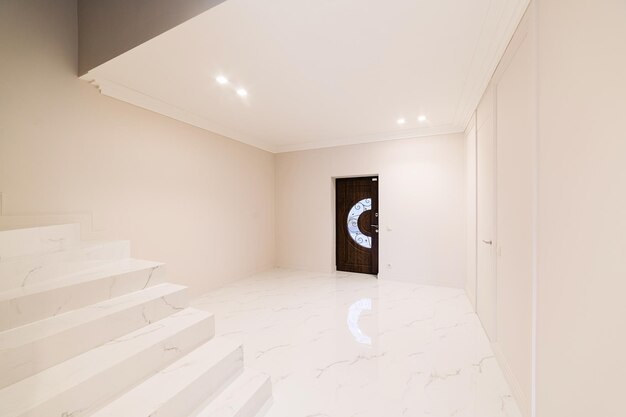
(246, 396)
(33, 240)
(25, 305)
(80, 386)
(26, 270)
(178, 389)
(29, 349)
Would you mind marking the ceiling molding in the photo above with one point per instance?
(380, 137)
(120, 92)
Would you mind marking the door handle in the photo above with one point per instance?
(488, 242)
(374, 225)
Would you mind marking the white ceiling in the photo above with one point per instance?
(320, 72)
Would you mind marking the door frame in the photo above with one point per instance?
(333, 214)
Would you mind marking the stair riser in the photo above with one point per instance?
(207, 385)
(90, 395)
(23, 361)
(255, 404)
(249, 395)
(32, 269)
(20, 242)
(26, 309)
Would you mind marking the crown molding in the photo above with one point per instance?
(120, 92)
(373, 138)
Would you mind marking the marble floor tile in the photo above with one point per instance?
(349, 345)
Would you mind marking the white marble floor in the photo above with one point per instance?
(348, 345)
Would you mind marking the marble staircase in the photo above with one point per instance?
(85, 330)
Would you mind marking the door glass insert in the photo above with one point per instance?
(353, 223)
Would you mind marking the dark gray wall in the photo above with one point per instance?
(108, 28)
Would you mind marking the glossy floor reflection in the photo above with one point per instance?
(348, 345)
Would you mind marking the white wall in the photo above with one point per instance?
(515, 225)
(581, 310)
(202, 203)
(422, 206)
(506, 118)
(560, 95)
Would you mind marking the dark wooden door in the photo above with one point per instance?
(357, 224)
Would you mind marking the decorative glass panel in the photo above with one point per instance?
(353, 223)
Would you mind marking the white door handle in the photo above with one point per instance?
(488, 242)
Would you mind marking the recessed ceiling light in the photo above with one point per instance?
(421, 118)
(221, 79)
(242, 92)
(401, 121)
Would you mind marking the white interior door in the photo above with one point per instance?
(486, 282)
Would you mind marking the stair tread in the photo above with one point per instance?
(146, 398)
(39, 388)
(89, 274)
(235, 397)
(44, 328)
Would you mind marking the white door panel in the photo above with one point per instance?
(486, 282)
